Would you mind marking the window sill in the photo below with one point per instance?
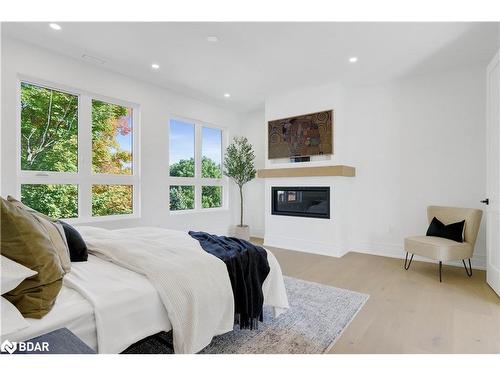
(97, 219)
(198, 211)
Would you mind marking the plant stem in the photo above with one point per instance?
(241, 205)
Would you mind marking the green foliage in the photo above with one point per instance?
(111, 200)
(185, 168)
(49, 142)
(209, 169)
(49, 130)
(109, 120)
(239, 165)
(58, 201)
(239, 161)
(211, 196)
(182, 197)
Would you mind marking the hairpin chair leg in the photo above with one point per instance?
(440, 267)
(467, 271)
(406, 260)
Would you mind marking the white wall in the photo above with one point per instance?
(308, 100)
(250, 126)
(157, 105)
(414, 142)
(498, 35)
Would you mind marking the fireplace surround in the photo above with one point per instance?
(301, 201)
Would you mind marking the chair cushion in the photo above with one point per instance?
(438, 248)
(453, 231)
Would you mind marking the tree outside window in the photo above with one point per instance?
(49, 143)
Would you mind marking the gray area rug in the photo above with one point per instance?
(317, 317)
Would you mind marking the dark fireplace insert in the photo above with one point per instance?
(302, 201)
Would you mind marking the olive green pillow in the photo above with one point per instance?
(25, 241)
(54, 230)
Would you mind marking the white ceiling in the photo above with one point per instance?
(253, 60)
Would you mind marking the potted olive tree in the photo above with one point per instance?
(239, 166)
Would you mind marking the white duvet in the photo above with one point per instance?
(193, 285)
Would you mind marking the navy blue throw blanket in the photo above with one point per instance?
(247, 267)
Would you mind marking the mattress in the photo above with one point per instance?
(134, 297)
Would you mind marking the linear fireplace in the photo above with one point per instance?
(301, 201)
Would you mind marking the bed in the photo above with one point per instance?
(141, 281)
(127, 292)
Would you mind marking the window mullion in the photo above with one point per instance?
(85, 156)
(197, 173)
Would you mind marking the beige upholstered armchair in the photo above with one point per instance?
(442, 249)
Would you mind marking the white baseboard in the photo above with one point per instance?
(306, 246)
(257, 232)
(397, 251)
(380, 249)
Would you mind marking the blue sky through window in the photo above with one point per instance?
(182, 142)
(125, 141)
(211, 145)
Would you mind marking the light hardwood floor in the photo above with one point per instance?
(408, 311)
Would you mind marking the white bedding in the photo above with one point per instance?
(111, 307)
(127, 308)
(193, 285)
(131, 296)
(71, 310)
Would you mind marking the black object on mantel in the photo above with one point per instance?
(300, 159)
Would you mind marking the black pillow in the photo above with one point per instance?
(77, 246)
(452, 232)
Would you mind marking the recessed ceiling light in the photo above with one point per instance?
(227, 95)
(55, 26)
(212, 38)
(353, 59)
(155, 66)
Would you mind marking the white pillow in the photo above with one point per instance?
(12, 320)
(13, 274)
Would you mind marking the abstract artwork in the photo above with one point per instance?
(304, 135)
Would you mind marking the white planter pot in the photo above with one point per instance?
(242, 232)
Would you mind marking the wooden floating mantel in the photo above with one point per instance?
(331, 170)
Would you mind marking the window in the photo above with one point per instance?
(181, 149)
(211, 141)
(181, 197)
(195, 166)
(211, 196)
(112, 200)
(49, 130)
(77, 154)
(111, 138)
(56, 200)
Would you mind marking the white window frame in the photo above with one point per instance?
(197, 181)
(85, 177)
